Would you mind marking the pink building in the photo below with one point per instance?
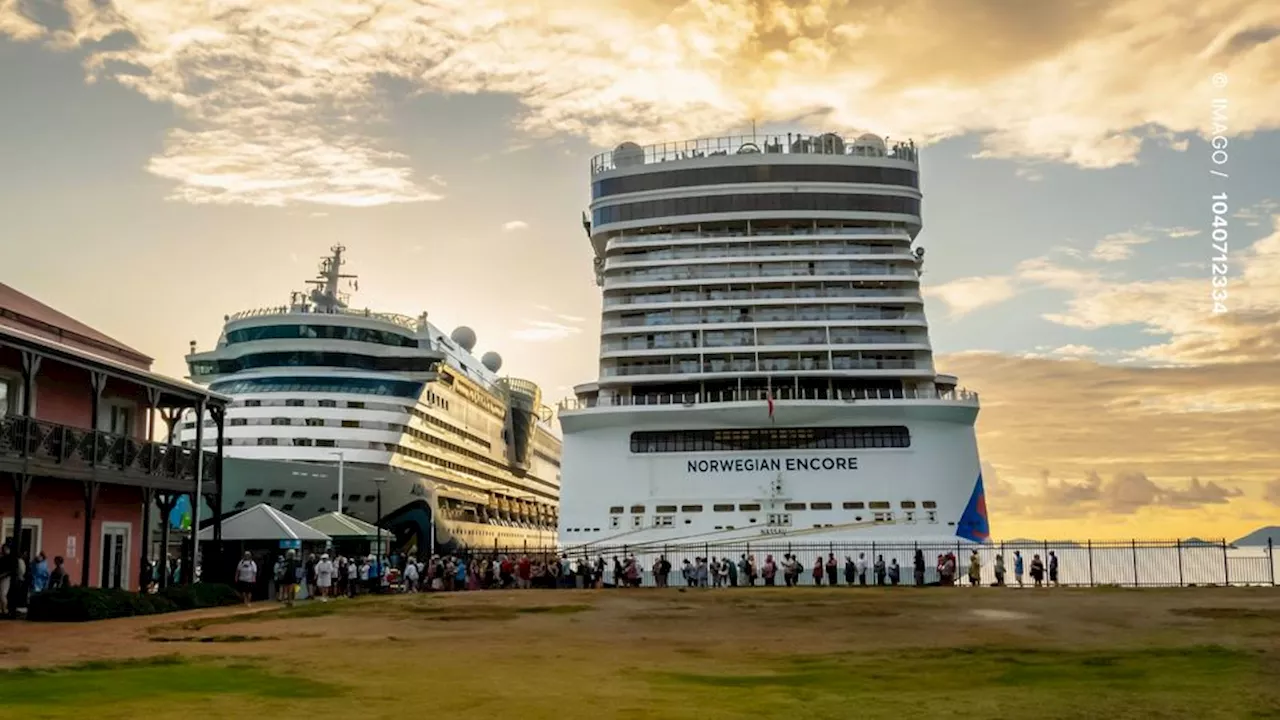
(78, 470)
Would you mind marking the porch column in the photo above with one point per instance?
(197, 497)
(165, 503)
(153, 400)
(22, 481)
(86, 558)
(144, 576)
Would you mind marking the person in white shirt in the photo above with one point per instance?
(324, 577)
(246, 577)
(411, 576)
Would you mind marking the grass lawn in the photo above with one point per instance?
(701, 655)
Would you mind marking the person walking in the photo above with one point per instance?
(246, 577)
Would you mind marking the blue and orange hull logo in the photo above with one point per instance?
(974, 524)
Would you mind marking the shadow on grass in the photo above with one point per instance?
(102, 682)
(214, 638)
(1200, 681)
(1228, 613)
(462, 613)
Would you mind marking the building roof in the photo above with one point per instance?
(337, 525)
(72, 355)
(263, 522)
(23, 312)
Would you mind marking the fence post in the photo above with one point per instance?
(1181, 581)
(1089, 550)
(1133, 542)
(1226, 566)
(1271, 561)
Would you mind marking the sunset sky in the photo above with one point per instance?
(165, 163)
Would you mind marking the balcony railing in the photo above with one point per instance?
(765, 365)
(906, 294)
(82, 451)
(404, 321)
(655, 320)
(721, 253)
(958, 396)
(745, 234)
(798, 271)
(829, 144)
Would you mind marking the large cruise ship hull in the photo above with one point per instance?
(411, 507)
(930, 491)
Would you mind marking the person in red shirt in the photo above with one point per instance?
(524, 570)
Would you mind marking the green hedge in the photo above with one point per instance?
(81, 604)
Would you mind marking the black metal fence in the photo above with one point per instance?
(1127, 563)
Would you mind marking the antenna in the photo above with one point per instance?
(325, 294)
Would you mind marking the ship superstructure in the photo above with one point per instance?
(460, 454)
(765, 363)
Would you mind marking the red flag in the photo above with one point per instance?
(769, 397)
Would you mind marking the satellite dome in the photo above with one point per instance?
(464, 336)
(628, 154)
(492, 360)
(831, 143)
(871, 141)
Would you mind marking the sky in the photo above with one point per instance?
(163, 164)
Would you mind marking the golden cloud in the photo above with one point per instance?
(278, 98)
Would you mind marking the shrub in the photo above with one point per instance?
(81, 604)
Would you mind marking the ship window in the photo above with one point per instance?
(615, 522)
(854, 505)
(723, 508)
(302, 442)
(691, 508)
(315, 422)
(749, 507)
(267, 441)
(238, 422)
(663, 520)
(880, 505)
(822, 438)
(907, 504)
(253, 492)
(334, 497)
(287, 507)
(617, 510)
(931, 515)
(795, 506)
(293, 403)
(276, 494)
(756, 202)
(328, 403)
(355, 405)
(350, 423)
(737, 174)
(316, 384)
(780, 519)
(929, 504)
(323, 332)
(370, 498)
(637, 521)
(910, 516)
(637, 509)
(298, 494)
(280, 421)
(326, 443)
(355, 497)
(666, 508)
(820, 506)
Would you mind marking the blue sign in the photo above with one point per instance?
(290, 544)
(180, 515)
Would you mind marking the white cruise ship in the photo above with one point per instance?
(765, 366)
(328, 396)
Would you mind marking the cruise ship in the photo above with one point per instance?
(385, 410)
(765, 364)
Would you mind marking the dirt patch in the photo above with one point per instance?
(999, 615)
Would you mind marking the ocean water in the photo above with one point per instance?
(1125, 564)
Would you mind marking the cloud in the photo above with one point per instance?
(544, 331)
(1028, 174)
(1271, 492)
(282, 102)
(514, 225)
(571, 318)
(1118, 246)
(965, 295)
(1074, 351)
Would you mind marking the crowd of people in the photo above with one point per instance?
(325, 577)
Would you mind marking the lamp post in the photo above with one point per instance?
(341, 497)
(378, 520)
